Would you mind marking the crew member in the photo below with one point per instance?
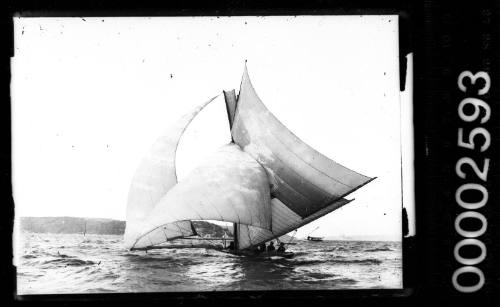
(262, 247)
(271, 247)
(281, 248)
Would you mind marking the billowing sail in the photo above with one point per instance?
(228, 186)
(155, 175)
(304, 183)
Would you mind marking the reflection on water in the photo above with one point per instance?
(57, 263)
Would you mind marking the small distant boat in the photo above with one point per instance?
(85, 239)
(309, 238)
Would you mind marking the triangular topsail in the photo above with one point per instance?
(266, 181)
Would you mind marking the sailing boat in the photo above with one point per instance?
(266, 182)
(85, 231)
(310, 238)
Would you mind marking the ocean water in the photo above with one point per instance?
(68, 263)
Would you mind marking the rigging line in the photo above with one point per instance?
(313, 231)
(166, 237)
(180, 230)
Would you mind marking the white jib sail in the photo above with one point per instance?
(155, 176)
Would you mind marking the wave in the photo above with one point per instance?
(318, 275)
(69, 262)
(381, 249)
(29, 256)
(346, 280)
(74, 267)
(337, 261)
(340, 249)
(358, 261)
(306, 262)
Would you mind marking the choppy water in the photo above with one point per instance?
(61, 263)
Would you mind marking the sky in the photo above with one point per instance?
(90, 96)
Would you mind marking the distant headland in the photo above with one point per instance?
(69, 225)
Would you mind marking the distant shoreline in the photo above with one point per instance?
(106, 226)
(71, 225)
(98, 226)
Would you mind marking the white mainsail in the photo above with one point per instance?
(305, 184)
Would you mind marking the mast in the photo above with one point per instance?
(231, 104)
(235, 236)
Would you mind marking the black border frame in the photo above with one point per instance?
(55, 8)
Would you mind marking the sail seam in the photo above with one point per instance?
(310, 182)
(262, 105)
